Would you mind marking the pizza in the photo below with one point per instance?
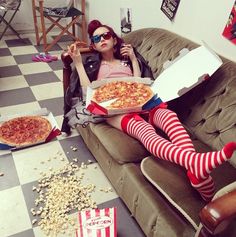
(124, 94)
(25, 130)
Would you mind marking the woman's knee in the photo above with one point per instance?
(115, 121)
(166, 112)
(120, 121)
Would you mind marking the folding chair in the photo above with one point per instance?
(54, 18)
(5, 7)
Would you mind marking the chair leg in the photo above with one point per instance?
(73, 27)
(62, 33)
(49, 29)
(35, 22)
(55, 23)
(8, 25)
(2, 17)
(43, 26)
(83, 24)
(64, 30)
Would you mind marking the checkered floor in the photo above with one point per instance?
(27, 86)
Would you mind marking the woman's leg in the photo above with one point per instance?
(168, 122)
(199, 165)
(205, 187)
(136, 127)
(115, 121)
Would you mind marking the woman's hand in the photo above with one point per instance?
(73, 51)
(127, 50)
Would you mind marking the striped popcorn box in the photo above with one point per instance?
(97, 223)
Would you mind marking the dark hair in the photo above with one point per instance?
(95, 24)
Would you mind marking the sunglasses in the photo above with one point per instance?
(105, 36)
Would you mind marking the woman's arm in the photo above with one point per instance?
(136, 68)
(75, 54)
(84, 80)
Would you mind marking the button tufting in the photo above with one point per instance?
(155, 70)
(139, 45)
(203, 102)
(203, 121)
(223, 91)
(121, 180)
(154, 229)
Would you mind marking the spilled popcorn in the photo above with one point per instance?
(60, 193)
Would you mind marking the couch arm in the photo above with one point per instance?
(66, 60)
(217, 214)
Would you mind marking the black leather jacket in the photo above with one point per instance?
(92, 63)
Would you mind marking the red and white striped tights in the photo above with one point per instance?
(179, 149)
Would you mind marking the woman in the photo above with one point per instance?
(179, 149)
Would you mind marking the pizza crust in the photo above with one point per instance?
(25, 130)
(123, 94)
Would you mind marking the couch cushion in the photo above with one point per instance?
(121, 147)
(208, 110)
(158, 46)
(172, 182)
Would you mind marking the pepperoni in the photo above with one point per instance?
(127, 94)
(25, 130)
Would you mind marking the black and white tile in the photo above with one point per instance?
(25, 86)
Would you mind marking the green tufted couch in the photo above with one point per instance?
(157, 192)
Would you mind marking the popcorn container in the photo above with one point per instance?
(97, 223)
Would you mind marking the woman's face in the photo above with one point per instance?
(103, 40)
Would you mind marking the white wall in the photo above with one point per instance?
(195, 19)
